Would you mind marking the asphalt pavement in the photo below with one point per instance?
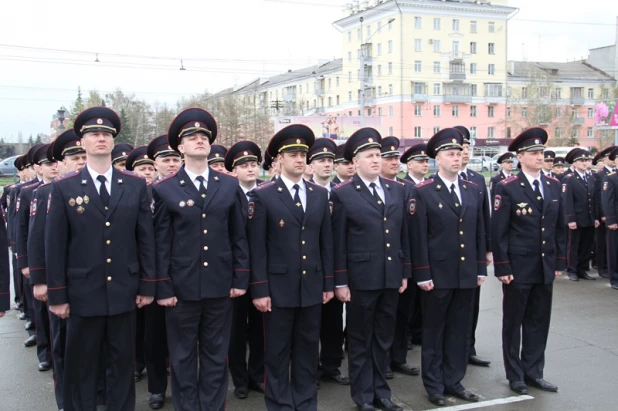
(581, 358)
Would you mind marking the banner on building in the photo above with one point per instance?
(606, 115)
(334, 127)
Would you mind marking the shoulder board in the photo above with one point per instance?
(552, 178)
(266, 185)
(424, 183)
(471, 182)
(612, 173)
(343, 184)
(311, 183)
(67, 175)
(30, 186)
(262, 182)
(569, 175)
(509, 180)
(129, 173)
(394, 181)
(166, 178)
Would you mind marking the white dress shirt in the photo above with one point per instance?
(194, 177)
(415, 180)
(531, 180)
(97, 183)
(379, 188)
(246, 191)
(302, 191)
(448, 183)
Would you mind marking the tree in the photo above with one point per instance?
(30, 141)
(125, 133)
(94, 99)
(38, 139)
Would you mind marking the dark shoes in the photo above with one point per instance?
(386, 404)
(241, 393)
(474, 360)
(45, 366)
(29, 326)
(519, 387)
(464, 395)
(406, 369)
(338, 378)
(365, 407)
(437, 399)
(137, 375)
(541, 384)
(388, 374)
(615, 286)
(585, 276)
(603, 274)
(573, 277)
(30, 342)
(156, 401)
(257, 386)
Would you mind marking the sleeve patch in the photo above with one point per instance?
(497, 202)
(251, 210)
(330, 207)
(605, 186)
(33, 207)
(412, 206)
(564, 188)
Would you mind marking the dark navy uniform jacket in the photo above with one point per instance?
(22, 222)
(14, 205)
(479, 180)
(98, 260)
(5, 274)
(36, 234)
(493, 182)
(525, 240)
(291, 260)
(371, 249)
(447, 242)
(608, 198)
(202, 249)
(599, 178)
(579, 200)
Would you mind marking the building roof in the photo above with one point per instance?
(304, 72)
(573, 70)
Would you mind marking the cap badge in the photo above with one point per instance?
(124, 153)
(145, 156)
(392, 148)
(196, 124)
(99, 121)
(78, 143)
(454, 140)
(537, 141)
(245, 153)
(370, 140)
(298, 141)
(422, 153)
(216, 154)
(325, 149)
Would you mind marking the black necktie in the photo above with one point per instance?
(377, 197)
(103, 193)
(202, 189)
(464, 175)
(298, 205)
(537, 193)
(455, 198)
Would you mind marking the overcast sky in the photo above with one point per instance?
(221, 43)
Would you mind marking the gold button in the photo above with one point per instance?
(386, 231)
(462, 246)
(461, 220)
(384, 218)
(303, 242)
(203, 195)
(543, 255)
(542, 229)
(106, 208)
(461, 233)
(205, 264)
(303, 227)
(203, 215)
(109, 260)
(304, 272)
(388, 245)
(543, 241)
(108, 242)
(304, 257)
(205, 231)
(389, 259)
(543, 218)
(107, 224)
(463, 258)
(205, 248)
(109, 278)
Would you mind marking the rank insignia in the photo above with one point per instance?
(72, 202)
(605, 186)
(281, 223)
(279, 189)
(86, 199)
(465, 188)
(79, 200)
(412, 207)
(80, 209)
(518, 212)
(48, 202)
(120, 181)
(358, 188)
(251, 210)
(522, 184)
(524, 211)
(216, 178)
(387, 186)
(190, 203)
(84, 182)
(438, 187)
(182, 204)
(440, 206)
(330, 206)
(182, 182)
(497, 202)
(310, 188)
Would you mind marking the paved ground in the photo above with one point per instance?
(582, 359)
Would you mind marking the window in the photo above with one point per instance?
(418, 45)
(417, 23)
(379, 111)
(490, 132)
(472, 68)
(379, 70)
(379, 27)
(358, 34)
(329, 83)
(508, 132)
(349, 36)
(436, 129)
(368, 30)
(589, 132)
(491, 69)
(379, 91)
(390, 46)
(379, 49)
(472, 111)
(417, 66)
(590, 93)
(390, 111)
(337, 81)
(436, 45)
(455, 47)
(349, 56)
(491, 48)
(418, 109)
(492, 27)
(494, 90)
(558, 93)
(436, 23)
(436, 89)
(473, 132)
(558, 132)
(390, 25)
(490, 111)
(457, 68)
(574, 112)
(473, 26)
(524, 92)
(349, 96)
(524, 112)
(358, 55)
(543, 91)
(455, 25)
(417, 132)
(436, 111)
(419, 88)
(390, 89)
(390, 68)
(574, 132)
(330, 101)
(605, 93)
(508, 112)
(473, 89)
(349, 76)
(473, 47)
(455, 110)
(390, 131)
(558, 113)
(590, 113)
(436, 67)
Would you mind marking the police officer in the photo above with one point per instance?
(119, 155)
(506, 165)
(580, 215)
(5, 273)
(417, 162)
(609, 199)
(216, 158)
(528, 233)
(202, 262)
(99, 252)
(291, 243)
(558, 168)
(271, 165)
(166, 160)
(372, 266)
(242, 161)
(607, 167)
(321, 158)
(548, 163)
(446, 214)
(344, 169)
(141, 164)
(479, 180)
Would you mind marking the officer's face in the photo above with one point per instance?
(247, 172)
(344, 169)
(588, 164)
(74, 162)
(30, 173)
(322, 167)
(507, 166)
(120, 165)
(37, 170)
(601, 164)
(418, 168)
(196, 146)
(49, 171)
(308, 174)
(465, 155)
(548, 164)
(293, 164)
(531, 161)
(558, 169)
(368, 163)
(218, 166)
(146, 171)
(609, 163)
(449, 161)
(390, 167)
(167, 165)
(580, 165)
(98, 143)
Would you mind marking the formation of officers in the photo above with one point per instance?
(175, 258)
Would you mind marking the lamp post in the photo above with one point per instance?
(61, 118)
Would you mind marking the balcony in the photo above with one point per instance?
(368, 81)
(320, 110)
(368, 60)
(319, 91)
(419, 97)
(577, 101)
(456, 98)
(289, 95)
(457, 76)
(370, 100)
(456, 56)
(577, 121)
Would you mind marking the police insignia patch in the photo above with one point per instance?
(48, 202)
(497, 202)
(33, 208)
(251, 210)
(412, 206)
(330, 206)
(152, 207)
(564, 188)
(17, 204)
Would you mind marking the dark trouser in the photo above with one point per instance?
(58, 331)
(140, 361)
(612, 256)
(579, 246)
(87, 337)
(202, 327)
(41, 323)
(405, 310)
(247, 325)
(27, 298)
(601, 248)
(371, 327)
(292, 335)
(155, 348)
(331, 337)
(526, 313)
(475, 321)
(447, 320)
(17, 281)
(416, 319)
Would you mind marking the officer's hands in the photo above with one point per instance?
(1, 314)
(573, 226)
(168, 302)
(40, 292)
(26, 272)
(343, 294)
(506, 279)
(426, 286)
(62, 310)
(327, 296)
(404, 285)
(262, 304)
(603, 219)
(613, 227)
(479, 280)
(558, 274)
(490, 258)
(236, 292)
(596, 223)
(142, 301)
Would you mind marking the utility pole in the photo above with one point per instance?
(361, 76)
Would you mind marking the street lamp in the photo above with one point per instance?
(362, 68)
(61, 118)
